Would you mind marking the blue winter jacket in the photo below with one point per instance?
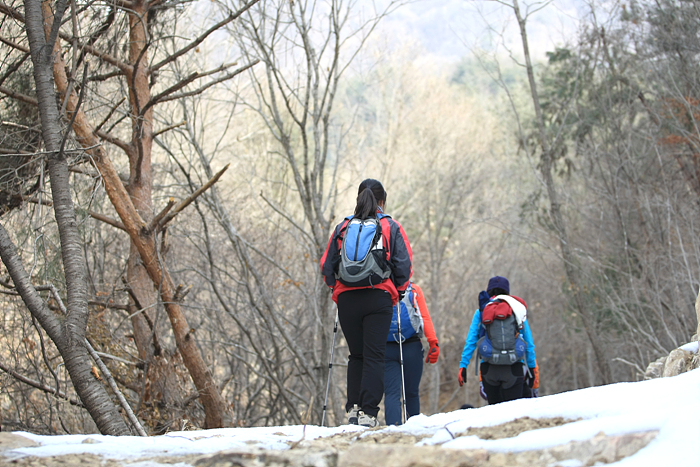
(473, 338)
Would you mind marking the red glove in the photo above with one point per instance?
(433, 353)
(535, 377)
(462, 376)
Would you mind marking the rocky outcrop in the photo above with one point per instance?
(678, 361)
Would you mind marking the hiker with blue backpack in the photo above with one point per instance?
(368, 264)
(501, 335)
(415, 323)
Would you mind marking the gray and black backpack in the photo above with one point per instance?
(501, 343)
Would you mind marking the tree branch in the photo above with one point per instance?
(123, 145)
(192, 77)
(168, 128)
(192, 197)
(14, 45)
(203, 36)
(206, 86)
(158, 217)
(115, 306)
(106, 76)
(9, 11)
(107, 220)
(109, 115)
(18, 96)
(38, 385)
(108, 376)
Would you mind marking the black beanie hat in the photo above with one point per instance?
(498, 282)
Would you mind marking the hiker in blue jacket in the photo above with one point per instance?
(501, 382)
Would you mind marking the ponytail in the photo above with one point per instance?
(366, 204)
(369, 195)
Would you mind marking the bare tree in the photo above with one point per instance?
(68, 335)
(547, 158)
(305, 48)
(147, 276)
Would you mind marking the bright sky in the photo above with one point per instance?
(447, 28)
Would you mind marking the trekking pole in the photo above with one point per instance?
(403, 383)
(330, 369)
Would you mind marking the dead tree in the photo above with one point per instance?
(68, 332)
(546, 168)
(147, 277)
(304, 50)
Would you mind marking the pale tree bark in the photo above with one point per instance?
(570, 263)
(68, 334)
(697, 312)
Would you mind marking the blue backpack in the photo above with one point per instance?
(411, 319)
(362, 254)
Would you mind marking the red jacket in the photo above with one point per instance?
(399, 256)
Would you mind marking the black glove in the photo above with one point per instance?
(402, 294)
(530, 377)
(462, 376)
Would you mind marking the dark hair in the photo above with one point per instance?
(370, 193)
(496, 291)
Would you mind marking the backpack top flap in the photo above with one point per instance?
(518, 306)
(496, 310)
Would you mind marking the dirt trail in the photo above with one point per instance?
(372, 448)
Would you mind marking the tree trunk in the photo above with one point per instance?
(69, 335)
(697, 313)
(216, 409)
(557, 217)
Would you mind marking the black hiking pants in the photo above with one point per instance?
(502, 382)
(365, 317)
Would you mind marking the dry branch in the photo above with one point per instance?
(168, 128)
(115, 306)
(107, 220)
(203, 88)
(122, 401)
(19, 96)
(158, 217)
(109, 115)
(14, 45)
(183, 204)
(123, 145)
(203, 36)
(38, 385)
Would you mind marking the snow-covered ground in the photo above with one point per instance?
(669, 405)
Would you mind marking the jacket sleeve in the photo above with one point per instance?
(330, 259)
(472, 339)
(530, 344)
(428, 327)
(401, 257)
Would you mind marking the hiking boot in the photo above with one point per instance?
(366, 420)
(352, 415)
